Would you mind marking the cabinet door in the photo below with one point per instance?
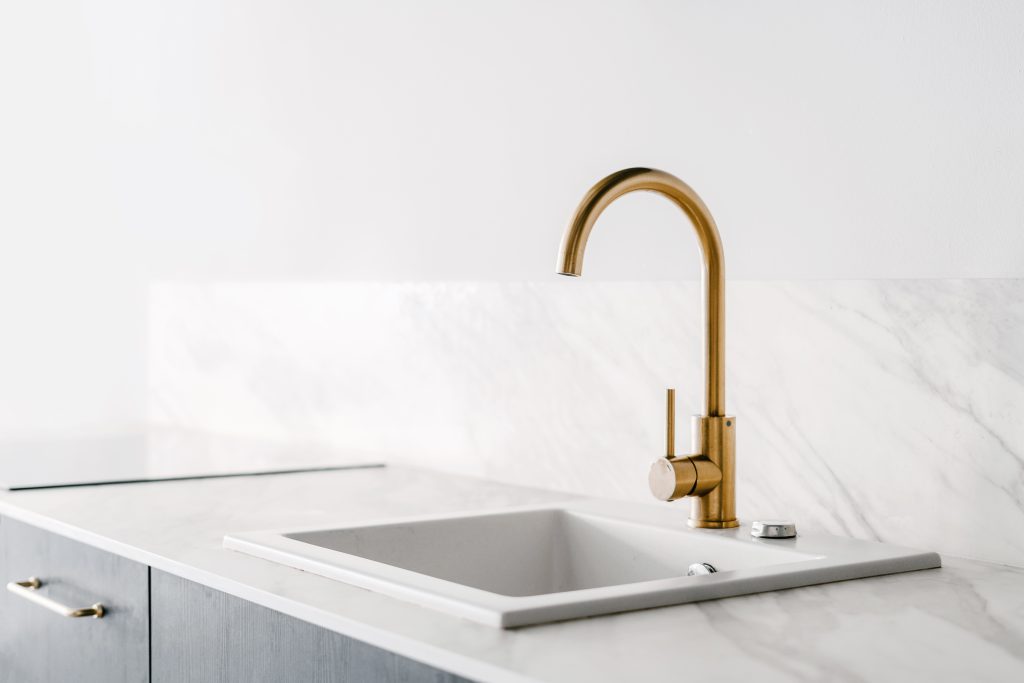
(200, 634)
(41, 646)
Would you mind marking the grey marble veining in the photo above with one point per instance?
(886, 410)
(963, 622)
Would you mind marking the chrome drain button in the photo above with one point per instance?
(773, 529)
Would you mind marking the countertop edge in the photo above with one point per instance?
(445, 660)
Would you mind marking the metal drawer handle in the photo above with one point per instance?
(27, 589)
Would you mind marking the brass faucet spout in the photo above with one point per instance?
(708, 476)
(574, 243)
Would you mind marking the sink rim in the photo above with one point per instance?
(820, 558)
(564, 526)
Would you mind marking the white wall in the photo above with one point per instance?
(216, 140)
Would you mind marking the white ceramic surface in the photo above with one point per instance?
(880, 410)
(521, 567)
(964, 622)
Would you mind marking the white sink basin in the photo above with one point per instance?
(527, 566)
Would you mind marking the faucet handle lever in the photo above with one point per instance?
(674, 477)
(670, 423)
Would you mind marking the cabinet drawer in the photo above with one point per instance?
(201, 634)
(40, 645)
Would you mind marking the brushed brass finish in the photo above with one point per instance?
(715, 437)
(574, 243)
(672, 478)
(670, 423)
(27, 589)
(709, 475)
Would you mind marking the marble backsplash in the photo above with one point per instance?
(889, 410)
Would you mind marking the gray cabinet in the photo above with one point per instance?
(200, 634)
(37, 645)
(158, 627)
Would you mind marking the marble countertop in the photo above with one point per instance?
(962, 622)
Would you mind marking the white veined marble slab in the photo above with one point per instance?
(884, 410)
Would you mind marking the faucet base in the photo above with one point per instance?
(715, 438)
(708, 524)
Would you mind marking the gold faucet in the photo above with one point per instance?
(709, 475)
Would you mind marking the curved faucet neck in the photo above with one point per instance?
(574, 243)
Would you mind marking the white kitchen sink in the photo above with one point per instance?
(526, 566)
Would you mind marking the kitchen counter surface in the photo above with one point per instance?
(962, 622)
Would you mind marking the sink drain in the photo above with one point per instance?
(700, 568)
